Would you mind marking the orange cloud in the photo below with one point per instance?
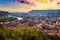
(37, 5)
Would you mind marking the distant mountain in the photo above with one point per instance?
(56, 12)
(33, 12)
(45, 12)
(3, 13)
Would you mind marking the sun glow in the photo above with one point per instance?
(35, 5)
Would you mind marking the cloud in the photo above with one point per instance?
(31, 5)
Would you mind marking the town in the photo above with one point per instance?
(47, 23)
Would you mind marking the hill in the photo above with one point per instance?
(49, 12)
(3, 13)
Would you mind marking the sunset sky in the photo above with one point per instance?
(28, 5)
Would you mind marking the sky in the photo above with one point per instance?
(28, 5)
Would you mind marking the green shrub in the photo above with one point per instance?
(24, 33)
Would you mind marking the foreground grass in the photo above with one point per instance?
(24, 33)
